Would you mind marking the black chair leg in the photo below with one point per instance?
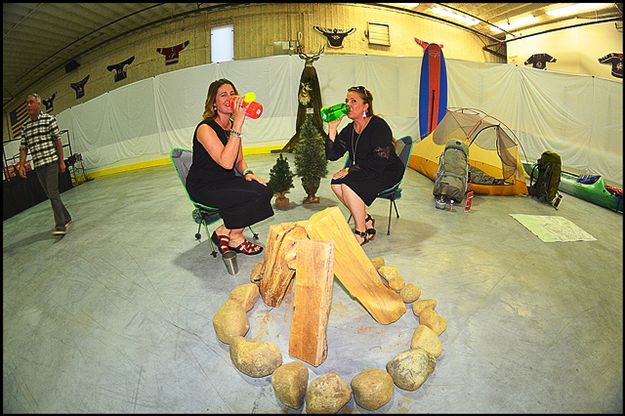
(210, 240)
(198, 236)
(396, 211)
(390, 208)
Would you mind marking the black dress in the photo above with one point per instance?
(375, 165)
(241, 203)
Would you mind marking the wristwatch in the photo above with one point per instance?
(246, 171)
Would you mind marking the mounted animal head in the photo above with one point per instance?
(310, 58)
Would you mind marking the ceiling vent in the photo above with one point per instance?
(378, 34)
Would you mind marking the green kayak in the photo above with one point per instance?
(590, 188)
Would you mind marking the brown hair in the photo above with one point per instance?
(366, 96)
(209, 105)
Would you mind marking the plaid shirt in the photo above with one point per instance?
(39, 137)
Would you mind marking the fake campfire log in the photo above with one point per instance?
(313, 268)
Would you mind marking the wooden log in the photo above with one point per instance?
(313, 297)
(280, 254)
(353, 267)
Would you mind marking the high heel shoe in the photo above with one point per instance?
(222, 242)
(370, 231)
(363, 235)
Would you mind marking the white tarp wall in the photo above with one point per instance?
(577, 116)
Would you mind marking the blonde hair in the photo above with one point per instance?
(35, 96)
(209, 105)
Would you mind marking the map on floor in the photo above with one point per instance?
(552, 228)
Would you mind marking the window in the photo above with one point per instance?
(222, 43)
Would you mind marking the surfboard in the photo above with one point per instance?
(432, 89)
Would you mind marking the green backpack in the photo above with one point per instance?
(545, 179)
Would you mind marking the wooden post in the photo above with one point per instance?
(278, 269)
(313, 297)
(353, 268)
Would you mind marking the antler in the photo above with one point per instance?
(310, 58)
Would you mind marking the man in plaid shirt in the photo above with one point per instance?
(40, 136)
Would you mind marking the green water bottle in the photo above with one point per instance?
(333, 112)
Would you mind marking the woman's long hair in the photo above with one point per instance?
(209, 106)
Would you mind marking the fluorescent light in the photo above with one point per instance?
(577, 8)
(520, 22)
(403, 5)
(456, 16)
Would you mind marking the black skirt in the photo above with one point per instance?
(367, 185)
(241, 203)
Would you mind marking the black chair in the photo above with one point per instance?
(404, 147)
(202, 214)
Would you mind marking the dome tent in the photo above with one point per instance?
(495, 165)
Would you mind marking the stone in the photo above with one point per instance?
(289, 382)
(377, 262)
(256, 274)
(410, 293)
(433, 320)
(373, 388)
(255, 358)
(420, 305)
(246, 295)
(327, 393)
(426, 338)
(393, 277)
(230, 321)
(410, 369)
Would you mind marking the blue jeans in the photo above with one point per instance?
(48, 176)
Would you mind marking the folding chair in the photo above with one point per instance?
(404, 145)
(202, 214)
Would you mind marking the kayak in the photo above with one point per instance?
(591, 188)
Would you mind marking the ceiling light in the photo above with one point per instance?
(455, 16)
(523, 21)
(577, 8)
(403, 5)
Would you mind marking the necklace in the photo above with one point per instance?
(355, 142)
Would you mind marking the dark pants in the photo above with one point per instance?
(48, 176)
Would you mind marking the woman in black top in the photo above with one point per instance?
(219, 176)
(374, 164)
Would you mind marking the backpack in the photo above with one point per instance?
(545, 179)
(453, 172)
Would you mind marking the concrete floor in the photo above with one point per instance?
(116, 317)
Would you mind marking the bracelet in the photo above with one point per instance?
(235, 133)
(246, 171)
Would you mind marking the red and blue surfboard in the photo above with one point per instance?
(432, 88)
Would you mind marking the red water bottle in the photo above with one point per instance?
(252, 108)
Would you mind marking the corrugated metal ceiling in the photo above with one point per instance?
(41, 37)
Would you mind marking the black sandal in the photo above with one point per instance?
(371, 231)
(362, 234)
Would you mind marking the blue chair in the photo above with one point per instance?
(202, 214)
(404, 148)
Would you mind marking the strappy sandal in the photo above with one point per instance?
(363, 235)
(371, 231)
(221, 241)
(248, 248)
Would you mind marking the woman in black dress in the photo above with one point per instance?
(374, 164)
(219, 176)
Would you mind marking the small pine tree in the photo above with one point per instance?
(310, 155)
(280, 175)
